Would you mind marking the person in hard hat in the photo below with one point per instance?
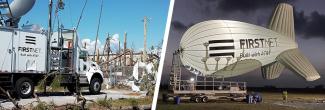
(285, 96)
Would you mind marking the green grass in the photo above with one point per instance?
(132, 102)
(222, 106)
(44, 106)
(105, 102)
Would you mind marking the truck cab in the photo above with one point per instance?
(90, 73)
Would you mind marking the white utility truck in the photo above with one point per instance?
(28, 56)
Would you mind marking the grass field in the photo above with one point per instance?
(271, 101)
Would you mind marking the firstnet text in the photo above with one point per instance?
(258, 43)
(29, 49)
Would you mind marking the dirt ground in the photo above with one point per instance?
(271, 101)
(60, 98)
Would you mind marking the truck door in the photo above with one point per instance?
(6, 49)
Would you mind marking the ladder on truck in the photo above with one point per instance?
(56, 54)
(59, 61)
(64, 56)
(175, 75)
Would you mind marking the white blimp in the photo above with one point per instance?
(231, 48)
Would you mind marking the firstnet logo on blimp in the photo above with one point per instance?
(230, 48)
(258, 43)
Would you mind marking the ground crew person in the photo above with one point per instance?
(285, 96)
(250, 99)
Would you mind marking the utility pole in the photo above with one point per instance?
(49, 33)
(108, 41)
(131, 58)
(124, 61)
(97, 56)
(145, 20)
(131, 54)
(119, 53)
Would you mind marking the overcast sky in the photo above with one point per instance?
(309, 27)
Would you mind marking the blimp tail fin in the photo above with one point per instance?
(297, 62)
(282, 20)
(272, 71)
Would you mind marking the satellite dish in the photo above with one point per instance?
(19, 8)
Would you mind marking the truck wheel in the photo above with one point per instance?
(95, 86)
(24, 87)
(197, 99)
(205, 99)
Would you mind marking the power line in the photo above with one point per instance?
(100, 15)
(82, 11)
(69, 6)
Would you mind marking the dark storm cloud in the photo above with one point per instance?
(316, 25)
(306, 26)
(300, 20)
(179, 25)
(245, 6)
(310, 26)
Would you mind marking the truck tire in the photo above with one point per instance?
(197, 99)
(95, 86)
(205, 99)
(24, 87)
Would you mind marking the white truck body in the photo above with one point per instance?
(22, 51)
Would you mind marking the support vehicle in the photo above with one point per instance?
(29, 55)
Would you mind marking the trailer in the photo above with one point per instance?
(201, 88)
